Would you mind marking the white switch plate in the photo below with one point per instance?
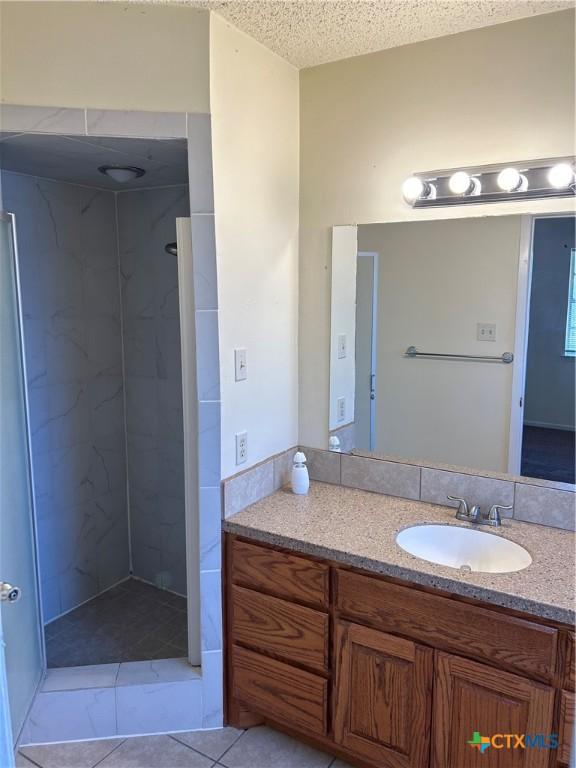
(241, 447)
(485, 332)
(240, 365)
(341, 408)
(341, 346)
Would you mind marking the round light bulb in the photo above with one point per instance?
(412, 189)
(561, 175)
(511, 180)
(460, 183)
(121, 175)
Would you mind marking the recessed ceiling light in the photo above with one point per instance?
(122, 173)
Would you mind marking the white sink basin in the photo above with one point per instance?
(464, 548)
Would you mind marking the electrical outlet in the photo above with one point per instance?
(240, 365)
(341, 408)
(341, 346)
(485, 332)
(241, 447)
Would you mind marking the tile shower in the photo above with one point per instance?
(102, 340)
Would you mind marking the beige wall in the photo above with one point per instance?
(255, 114)
(343, 323)
(104, 56)
(490, 95)
(432, 292)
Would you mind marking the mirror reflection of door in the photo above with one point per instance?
(366, 311)
(549, 408)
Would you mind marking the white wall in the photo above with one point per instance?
(550, 375)
(343, 322)
(490, 95)
(104, 55)
(433, 279)
(254, 98)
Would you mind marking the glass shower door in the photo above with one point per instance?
(21, 650)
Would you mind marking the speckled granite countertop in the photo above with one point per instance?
(359, 528)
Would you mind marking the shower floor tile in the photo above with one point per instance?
(133, 621)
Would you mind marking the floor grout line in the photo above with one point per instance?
(174, 736)
(109, 753)
(29, 758)
(198, 751)
(231, 745)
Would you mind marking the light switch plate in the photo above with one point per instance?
(485, 332)
(341, 346)
(240, 365)
(341, 409)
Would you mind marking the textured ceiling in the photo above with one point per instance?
(307, 32)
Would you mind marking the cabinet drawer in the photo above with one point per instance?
(269, 624)
(279, 691)
(449, 625)
(566, 726)
(282, 574)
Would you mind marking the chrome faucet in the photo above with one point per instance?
(475, 516)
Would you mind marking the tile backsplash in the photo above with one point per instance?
(256, 483)
(437, 484)
(380, 476)
(532, 503)
(546, 506)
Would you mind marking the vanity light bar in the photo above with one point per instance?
(526, 180)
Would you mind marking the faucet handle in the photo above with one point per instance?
(494, 514)
(462, 506)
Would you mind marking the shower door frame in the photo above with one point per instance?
(190, 425)
(7, 737)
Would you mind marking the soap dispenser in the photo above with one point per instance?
(300, 478)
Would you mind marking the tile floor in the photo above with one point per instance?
(133, 621)
(229, 748)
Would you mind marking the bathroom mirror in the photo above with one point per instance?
(453, 342)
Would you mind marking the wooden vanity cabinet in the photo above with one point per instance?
(471, 697)
(566, 726)
(385, 674)
(382, 705)
(567, 703)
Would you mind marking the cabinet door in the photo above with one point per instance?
(567, 721)
(470, 699)
(382, 697)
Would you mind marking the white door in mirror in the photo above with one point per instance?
(463, 548)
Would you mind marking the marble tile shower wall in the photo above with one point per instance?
(152, 367)
(196, 129)
(71, 305)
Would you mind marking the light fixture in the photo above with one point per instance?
(511, 180)
(415, 188)
(546, 177)
(122, 173)
(561, 175)
(461, 183)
